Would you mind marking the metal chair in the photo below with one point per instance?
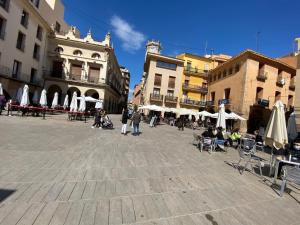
(291, 174)
(208, 143)
(247, 150)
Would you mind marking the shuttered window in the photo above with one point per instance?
(171, 83)
(157, 80)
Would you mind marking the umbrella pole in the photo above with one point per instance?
(44, 112)
(271, 162)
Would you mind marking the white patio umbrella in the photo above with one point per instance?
(234, 116)
(82, 104)
(292, 127)
(43, 99)
(276, 133)
(66, 102)
(73, 105)
(35, 98)
(55, 101)
(99, 104)
(25, 96)
(19, 94)
(1, 89)
(221, 120)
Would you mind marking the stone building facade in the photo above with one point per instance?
(38, 48)
(249, 84)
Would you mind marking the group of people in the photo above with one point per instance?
(220, 134)
(135, 119)
(101, 119)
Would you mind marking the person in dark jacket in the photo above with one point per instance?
(97, 119)
(180, 123)
(136, 119)
(208, 133)
(124, 121)
(2, 103)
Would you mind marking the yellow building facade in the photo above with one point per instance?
(193, 94)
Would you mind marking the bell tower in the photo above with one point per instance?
(153, 47)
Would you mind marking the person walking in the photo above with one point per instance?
(124, 121)
(136, 119)
(97, 119)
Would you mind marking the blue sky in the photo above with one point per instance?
(188, 26)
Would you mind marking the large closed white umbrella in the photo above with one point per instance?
(43, 99)
(221, 120)
(276, 133)
(1, 89)
(292, 127)
(99, 104)
(55, 101)
(19, 94)
(66, 102)
(73, 105)
(35, 98)
(25, 96)
(82, 104)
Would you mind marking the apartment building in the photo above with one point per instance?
(249, 84)
(126, 80)
(24, 27)
(297, 81)
(86, 66)
(38, 48)
(162, 77)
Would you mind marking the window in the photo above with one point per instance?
(212, 96)
(230, 71)
(24, 18)
(188, 66)
(224, 73)
(16, 69)
(237, 68)
(21, 41)
(33, 75)
(36, 52)
(170, 93)
(215, 77)
(227, 93)
(77, 53)
(96, 56)
(277, 95)
(76, 72)
(157, 80)
(57, 27)
(59, 50)
(171, 83)
(2, 28)
(4, 4)
(219, 75)
(39, 33)
(57, 69)
(156, 91)
(36, 2)
(259, 93)
(165, 65)
(186, 82)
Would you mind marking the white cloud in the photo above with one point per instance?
(132, 39)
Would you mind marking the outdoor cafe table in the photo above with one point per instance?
(287, 160)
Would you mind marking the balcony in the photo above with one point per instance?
(292, 87)
(195, 72)
(225, 101)
(94, 80)
(191, 102)
(156, 97)
(196, 88)
(262, 77)
(75, 77)
(171, 99)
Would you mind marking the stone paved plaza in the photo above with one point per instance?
(55, 172)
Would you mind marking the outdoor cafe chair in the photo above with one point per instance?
(207, 143)
(290, 174)
(247, 151)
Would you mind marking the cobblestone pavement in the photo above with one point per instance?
(55, 171)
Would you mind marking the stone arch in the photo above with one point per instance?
(96, 55)
(70, 92)
(51, 91)
(93, 93)
(77, 52)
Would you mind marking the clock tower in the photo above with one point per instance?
(153, 47)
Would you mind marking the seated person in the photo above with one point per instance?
(219, 134)
(208, 133)
(235, 136)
